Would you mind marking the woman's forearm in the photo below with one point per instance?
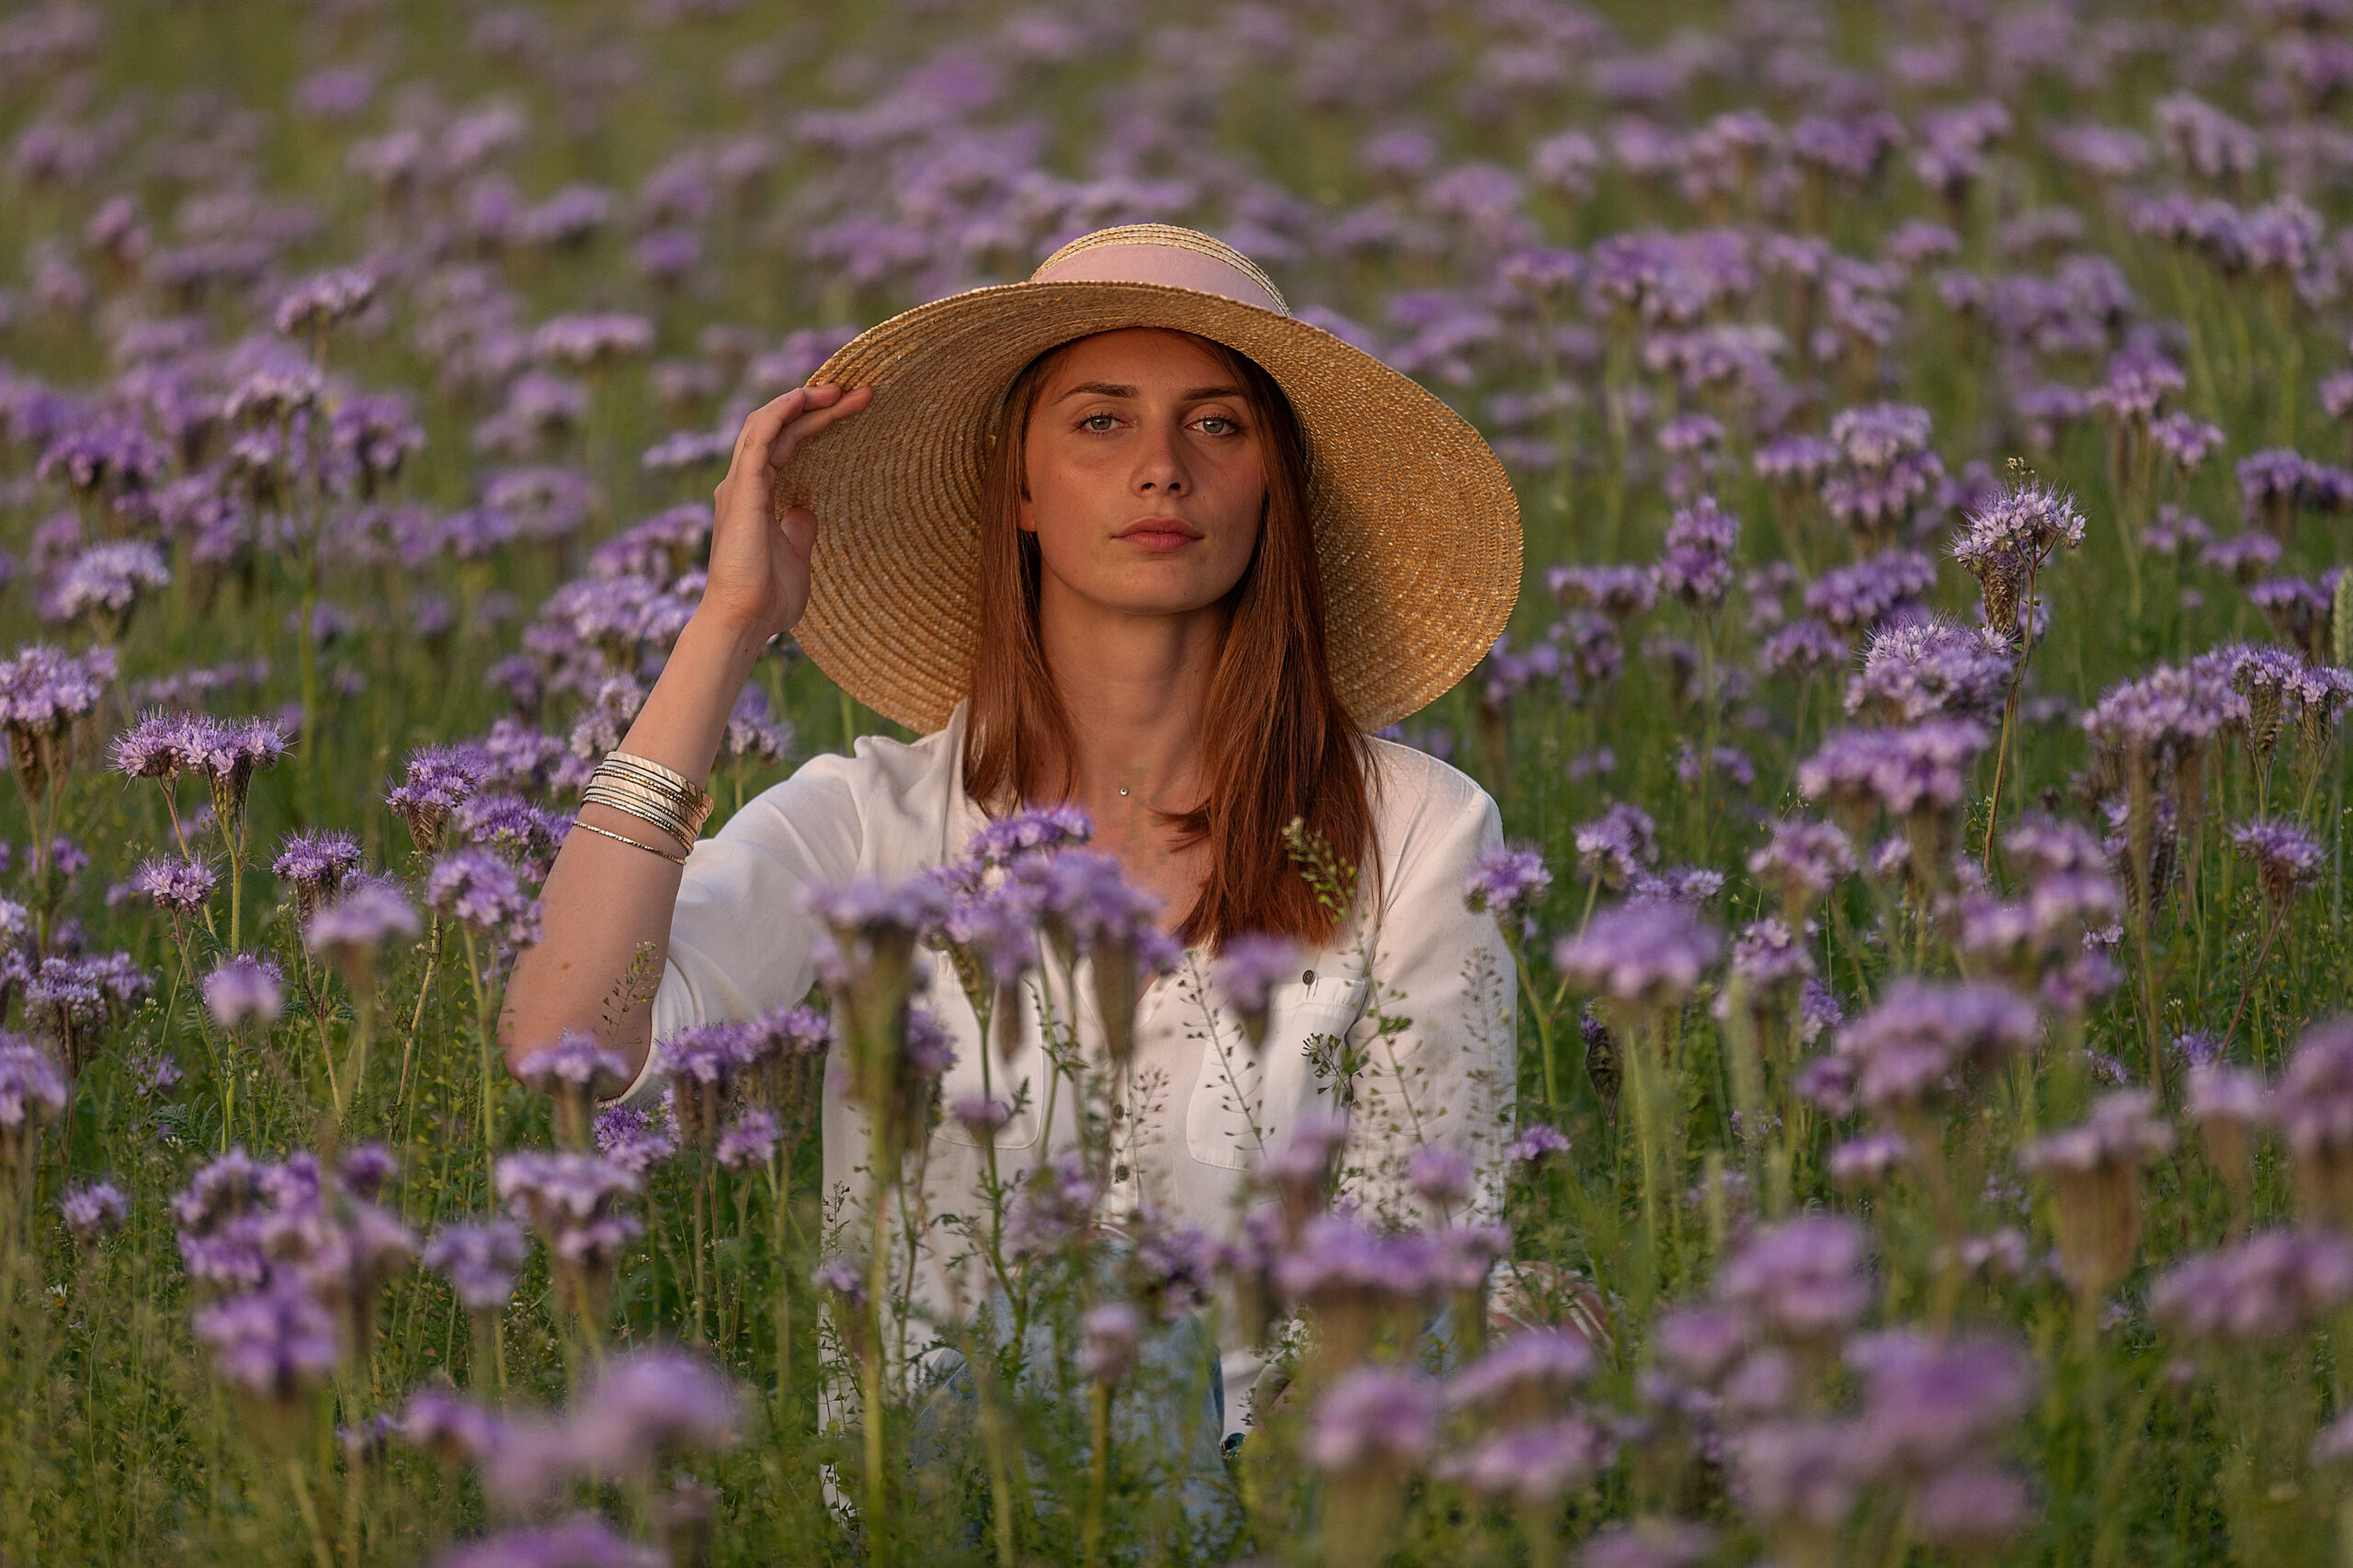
(606, 903)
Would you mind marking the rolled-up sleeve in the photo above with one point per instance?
(739, 942)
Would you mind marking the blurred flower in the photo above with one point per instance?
(93, 1210)
(1804, 1280)
(2094, 1171)
(1249, 966)
(242, 989)
(2270, 1287)
(480, 1260)
(1648, 953)
(1108, 1336)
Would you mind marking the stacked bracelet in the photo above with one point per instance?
(652, 794)
(633, 842)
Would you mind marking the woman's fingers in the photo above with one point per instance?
(824, 406)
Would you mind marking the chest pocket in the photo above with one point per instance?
(1243, 1096)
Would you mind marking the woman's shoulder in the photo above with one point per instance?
(905, 787)
(1416, 796)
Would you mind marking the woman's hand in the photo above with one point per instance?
(759, 567)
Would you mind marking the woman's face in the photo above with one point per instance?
(1145, 473)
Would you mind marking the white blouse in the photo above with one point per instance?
(1205, 1103)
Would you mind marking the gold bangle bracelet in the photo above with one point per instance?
(688, 809)
(624, 838)
(693, 798)
(653, 813)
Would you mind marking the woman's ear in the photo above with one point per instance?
(1025, 516)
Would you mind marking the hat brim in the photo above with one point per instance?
(1416, 525)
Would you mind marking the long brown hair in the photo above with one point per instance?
(1278, 744)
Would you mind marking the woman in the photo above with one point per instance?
(1129, 536)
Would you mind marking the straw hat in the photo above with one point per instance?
(1416, 528)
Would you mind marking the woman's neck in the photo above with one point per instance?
(1135, 688)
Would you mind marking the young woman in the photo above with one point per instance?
(1131, 535)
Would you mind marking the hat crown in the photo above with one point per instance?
(1166, 254)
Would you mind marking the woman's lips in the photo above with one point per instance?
(1158, 541)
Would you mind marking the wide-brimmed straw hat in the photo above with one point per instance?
(1416, 528)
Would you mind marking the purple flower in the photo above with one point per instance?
(1803, 861)
(1648, 1544)
(576, 1059)
(1928, 1405)
(1526, 1376)
(1619, 592)
(95, 1210)
(634, 1139)
(480, 1261)
(1019, 834)
(1249, 966)
(316, 863)
(481, 891)
(1651, 952)
(590, 341)
(750, 1141)
(366, 914)
(1534, 1465)
(1867, 1161)
(103, 581)
(1923, 1034)
(43, 690)
(1537, 1143)
(1855, 598)
(325, 300)
(2122, 1132)
(1616, 843)
(243, 989)
(2270, 1287)
(1804, 1281)
(1971, 1509)
(176, 887)
(1931, 667)
(275, 1344)
(1917, 769)
(1510, 880)
(1108, 1342)
(640, 1409)
(436, 780)
(1440, 1172)
(2287, 862)
(1768, 953)
(1697, 565)
(1376, 1419)
(2185, 441)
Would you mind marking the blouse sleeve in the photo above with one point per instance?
(739, 943)
(1440, 1023)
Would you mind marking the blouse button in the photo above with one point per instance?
(1308, 978)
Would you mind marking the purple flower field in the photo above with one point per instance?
(1920, 740)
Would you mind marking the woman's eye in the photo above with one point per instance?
(1099, 423)
(1226, 426)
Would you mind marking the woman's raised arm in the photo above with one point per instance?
(605, 902)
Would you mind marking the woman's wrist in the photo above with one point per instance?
(685, 716)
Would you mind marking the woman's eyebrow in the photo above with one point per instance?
(1114, 389)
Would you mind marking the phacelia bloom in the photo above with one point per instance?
(2094, 1169)
(1509, 881)
(1801, 862)
(2312, 1107)
(1249, 966)
(103, 581)
(438, 777)
(1868, 1160)
(589, 341)
(1805, 1280)
(1537, 1143)
(2287, 862)
(642, 1410)
(481, 1261)
(1930, 668)
(367, 914)
(2041, 848)
(633, 1138)
(1012, 837)
(1928, 1405)
(1525, 1377)
(323, 299)
(315, 865)
(575, 1059)
(1108, 1342)
(160, 745)
(242, 989)
(479, 889)
(750, 1141)
(1534, 1465)
(1378, 1418)
(43, 690)
(1616, 843)
(1697, 565)
(2185, 441)
(274, 1345)
(1649, 1543)
(1919, 769)
(2270, 1287)
(1924, 1034)
(95, 1210)
(176, 887)
(1856, 598)
(1440, 1172)
(1768, 953)
(2004, 544)
(1648, 953)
